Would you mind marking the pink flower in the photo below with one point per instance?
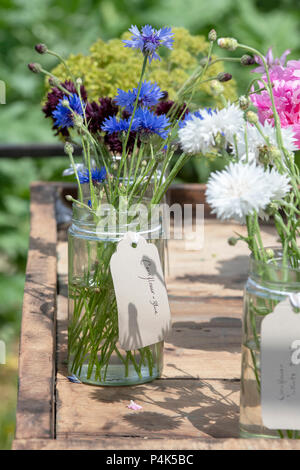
(134, 406)
(286, 90)
(271, 62)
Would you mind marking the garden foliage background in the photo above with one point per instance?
(71, 27)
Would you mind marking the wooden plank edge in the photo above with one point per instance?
(155, 444)
(36, 405)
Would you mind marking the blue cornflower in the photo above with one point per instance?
(150, 95)
(112, 124)
(62, 115)
(151, 123)
(98, 176)
(149, 39)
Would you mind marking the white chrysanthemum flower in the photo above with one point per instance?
(256, 140)
(279, 184)
(242, 189)
(198, 133)
(229, 121)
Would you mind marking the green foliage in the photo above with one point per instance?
(15, 179)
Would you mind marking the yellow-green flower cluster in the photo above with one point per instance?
(110, 65)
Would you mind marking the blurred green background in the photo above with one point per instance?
(71, 27)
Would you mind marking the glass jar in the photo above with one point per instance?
(94, 354)
(268, 284)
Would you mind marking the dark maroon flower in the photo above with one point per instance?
(115, 145)
(164, 107)
(97, 113)
(53, 98)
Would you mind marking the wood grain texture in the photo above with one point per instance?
(35, 409)
(114, 444)
(195, 405)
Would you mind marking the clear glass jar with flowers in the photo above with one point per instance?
(130, 152)
(259, 135)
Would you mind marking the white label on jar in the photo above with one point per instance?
(280, 368)
(142, 299)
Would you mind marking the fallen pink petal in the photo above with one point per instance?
(134, 406)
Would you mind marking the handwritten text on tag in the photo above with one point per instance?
(142, 299)
(280, 368)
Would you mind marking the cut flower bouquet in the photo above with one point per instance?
(130, 156)
(260, 135)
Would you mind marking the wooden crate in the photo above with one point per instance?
(195, 405)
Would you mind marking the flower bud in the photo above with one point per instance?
(224, 77)
(65, 103)
(69, 197)
(216, 87)
(68, 148)
(220, 141)
(159, 157)
(54, 81)
(232, 241)
(251, 117)
(247, 60)
(78, 81)
(244, 102)
(212, 35)
(228, 43)
(35, 67)
(270, 253)
(274, 153)
(263, 155)
(203, 61)
(41, 48)
(78, 120)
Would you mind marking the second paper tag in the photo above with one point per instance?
(142, 299)
(280, 368)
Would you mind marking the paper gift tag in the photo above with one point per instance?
(280, 368)
(142, 299)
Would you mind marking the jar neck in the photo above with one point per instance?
(274, 275)
(113, 225)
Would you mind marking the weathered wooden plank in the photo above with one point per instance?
(171, 408)
(215, 271)
(35, 409)
(115, 444)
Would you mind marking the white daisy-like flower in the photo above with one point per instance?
(256, 140)
(279, 184)
(229, 121)
(242, 189)
(198, 133)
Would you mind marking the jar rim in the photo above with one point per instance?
(273, 272)
(278, 256)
